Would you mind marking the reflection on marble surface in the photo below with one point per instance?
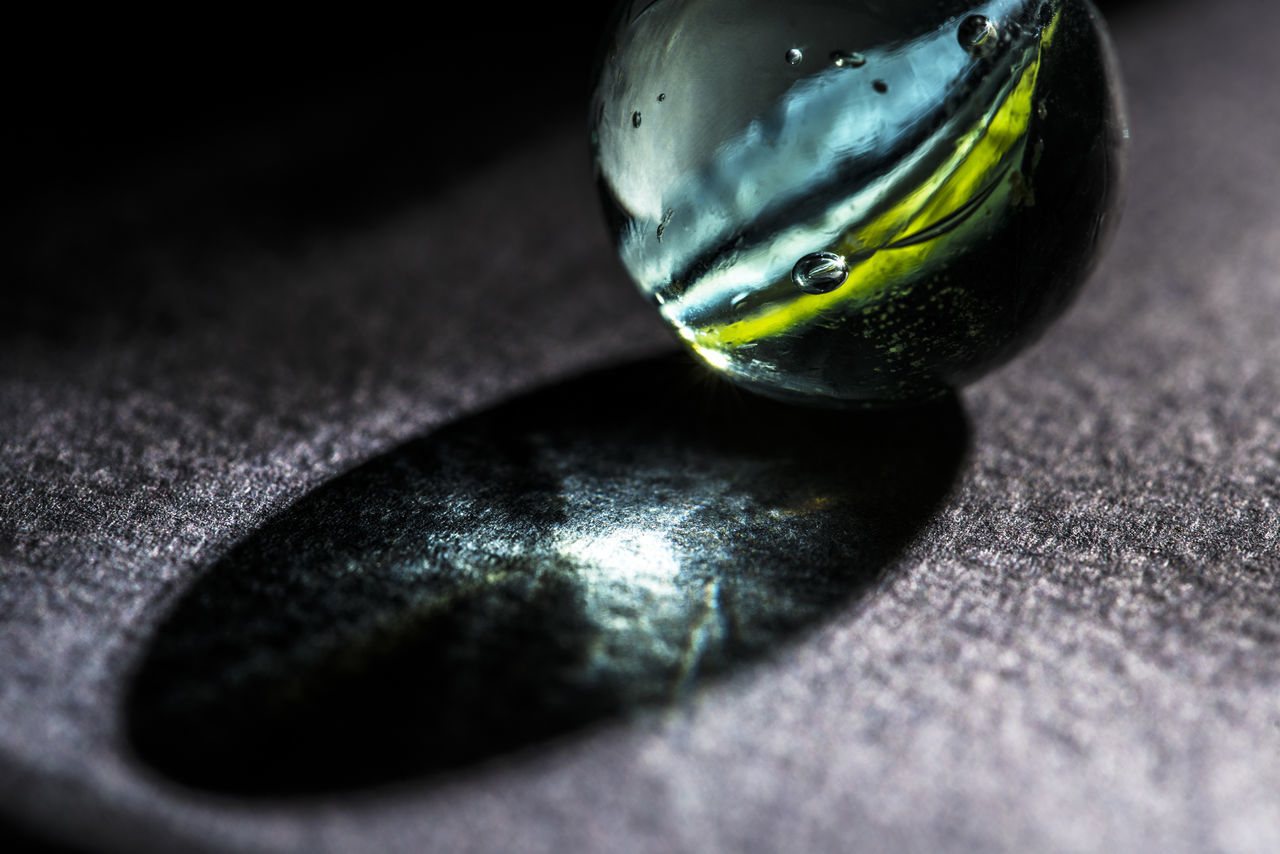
(858, 203)
(592, 549)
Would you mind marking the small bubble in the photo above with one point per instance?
(662, 96)
(635, 119)
(820, 273)
(978, 35)
(847, 59)
(794, 56)
(880, 86)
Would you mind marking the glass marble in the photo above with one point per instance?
(858, 203)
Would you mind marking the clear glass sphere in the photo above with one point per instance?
(856, 202)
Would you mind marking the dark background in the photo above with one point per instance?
(101, 98)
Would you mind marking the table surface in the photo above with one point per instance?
(403, 529)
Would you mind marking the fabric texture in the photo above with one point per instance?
(1065, 636)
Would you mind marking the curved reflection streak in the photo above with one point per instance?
(823, 154)
(586, 551)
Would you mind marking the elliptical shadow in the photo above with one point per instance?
(585, 551)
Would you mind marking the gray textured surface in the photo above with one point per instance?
(1078, 651)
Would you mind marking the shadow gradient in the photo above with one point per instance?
(588, 550)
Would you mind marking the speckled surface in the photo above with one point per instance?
(1075, 647)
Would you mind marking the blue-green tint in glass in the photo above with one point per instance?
(858, 203)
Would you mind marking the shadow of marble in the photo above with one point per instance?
(589, 550)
